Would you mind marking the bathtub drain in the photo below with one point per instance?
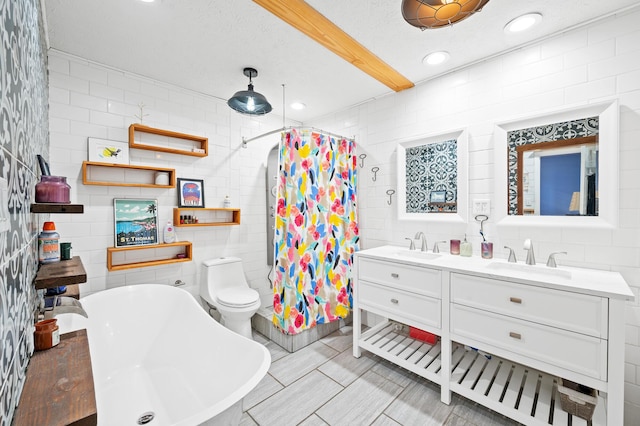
(146, 418)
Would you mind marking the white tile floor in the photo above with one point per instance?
(323, 384)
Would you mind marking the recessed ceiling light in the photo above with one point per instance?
(436, 58)
(298, 105)
(522, 23)
(148, 1)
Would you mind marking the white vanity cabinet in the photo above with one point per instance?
(550, 329)
(504, 340)
(410, 295)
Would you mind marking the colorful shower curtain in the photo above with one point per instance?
(316, 230)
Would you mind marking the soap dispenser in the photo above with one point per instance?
(169, 234)
(466, 249)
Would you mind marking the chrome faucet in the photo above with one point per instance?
(512, 255)
(531, 258)
(436, 248)
(412, 245)
(551, 262)
(65, 305)
(423, 238)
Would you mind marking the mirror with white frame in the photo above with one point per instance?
(432, 177)
(559, 168)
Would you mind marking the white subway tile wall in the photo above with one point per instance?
(588, 65)
(91, 100)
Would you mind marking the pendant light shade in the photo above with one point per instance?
(426, 14)
(248, 101)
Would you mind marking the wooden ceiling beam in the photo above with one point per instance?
(309, 21)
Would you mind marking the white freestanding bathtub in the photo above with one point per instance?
(156, 354)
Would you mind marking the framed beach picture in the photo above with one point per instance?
(136, 222)
(106, 151)
(190, 193)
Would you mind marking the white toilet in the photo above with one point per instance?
(224, 287)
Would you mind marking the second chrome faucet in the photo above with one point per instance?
(423, 239)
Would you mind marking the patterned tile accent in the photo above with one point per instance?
(551, 132)
(24, 130)
(432, 167)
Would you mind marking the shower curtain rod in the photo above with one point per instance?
(282, 129)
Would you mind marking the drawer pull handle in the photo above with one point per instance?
(515, 300)
(515, 335)
(394, 275)
(394, 301)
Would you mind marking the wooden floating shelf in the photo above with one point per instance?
(95, 173)
(56, 208)
(114, 252)
(197, 146)
(59, 388)
(206, 216)
(65, 272)
(522, 393)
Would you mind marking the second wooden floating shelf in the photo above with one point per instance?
(114, 251)
(207, 216)
(145, 175)
(197, 147)
(64, 272)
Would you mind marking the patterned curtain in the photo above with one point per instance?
(316, 231)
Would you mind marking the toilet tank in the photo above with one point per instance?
(221, 273)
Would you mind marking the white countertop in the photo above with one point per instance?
(579, 280)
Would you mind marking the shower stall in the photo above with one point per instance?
(312, 234)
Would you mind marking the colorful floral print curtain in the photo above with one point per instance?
(316, 230)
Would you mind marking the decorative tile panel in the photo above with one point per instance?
(432, 167)
(551, 132)
(24, 130)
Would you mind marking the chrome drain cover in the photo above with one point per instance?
(146, 417)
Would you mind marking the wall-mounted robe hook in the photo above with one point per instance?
(375, 172)
(362, 157)
(390, 193)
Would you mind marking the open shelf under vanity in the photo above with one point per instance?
(519, 392)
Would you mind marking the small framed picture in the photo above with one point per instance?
(190, 193)
(106, 151)
(438, 196)
(136, 222)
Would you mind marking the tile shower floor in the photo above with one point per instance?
(323, 384)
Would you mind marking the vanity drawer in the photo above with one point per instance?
(573, 351)
(411, 278)
(409, 308)
(581, 313)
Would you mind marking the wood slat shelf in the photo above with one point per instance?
(95, 173)
(117, 256)
(59, 387)
(198, 146)
(524, 394)
(207, 216)
(56, 208)
(65, 272)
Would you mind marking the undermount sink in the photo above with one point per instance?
(539, 270)
(417, 254)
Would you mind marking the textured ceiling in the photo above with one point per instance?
(203, 45)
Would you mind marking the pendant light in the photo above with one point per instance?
(248, 101)
(426, 14)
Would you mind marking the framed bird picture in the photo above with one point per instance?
(106, 151)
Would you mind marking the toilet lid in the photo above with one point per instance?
(240, 296)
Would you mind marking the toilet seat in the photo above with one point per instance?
(238, 297)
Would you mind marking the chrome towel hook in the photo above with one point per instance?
(375, 172)
(362, 157)
(390, 192)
